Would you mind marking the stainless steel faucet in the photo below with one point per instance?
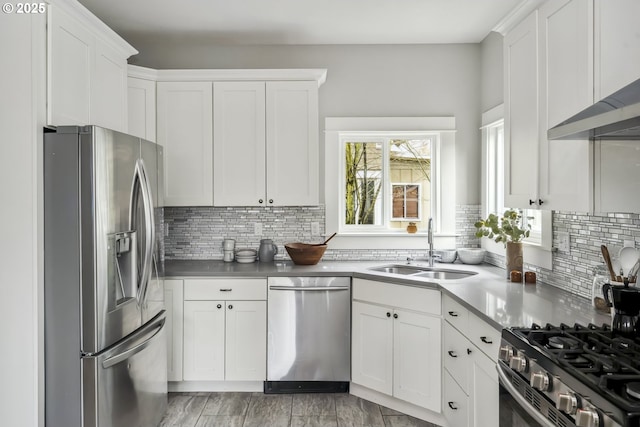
(430, 240)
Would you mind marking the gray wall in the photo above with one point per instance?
(364, 80)
(492, 74)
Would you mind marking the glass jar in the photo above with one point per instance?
(600, 277)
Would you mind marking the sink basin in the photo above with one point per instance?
(445, 274)
(398, 269)
(424, 272)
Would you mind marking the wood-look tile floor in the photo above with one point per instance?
(280, 410)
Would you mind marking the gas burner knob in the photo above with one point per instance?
(587, 418)
(567, 403)
(518, 363)
(506, 352)
(540, 381)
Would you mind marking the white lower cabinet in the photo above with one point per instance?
(173, 299)
(225, 339)
(396, 347)
(470, 392)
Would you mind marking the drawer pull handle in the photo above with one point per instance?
(453, 314)
(226, 290)
(452, 406)
(485, 340)
(452, 353)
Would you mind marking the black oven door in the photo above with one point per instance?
(516, 411)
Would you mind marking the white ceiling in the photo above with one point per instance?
(305, 21)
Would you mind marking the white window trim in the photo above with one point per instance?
(536, 254)
(383, 137)
(445, 235)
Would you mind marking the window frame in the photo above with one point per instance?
(418, 217)
(445, 235)
(384, 137)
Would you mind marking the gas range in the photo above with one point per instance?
(583, 376)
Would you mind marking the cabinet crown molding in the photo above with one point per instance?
(514, 17)
(76, 10)
(300, 74)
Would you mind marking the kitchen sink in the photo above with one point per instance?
(424, 272)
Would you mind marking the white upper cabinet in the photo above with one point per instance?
(548, 78)
(617, 45)
(185, 130)
(292, 143)
(566, 87)
(87, 69)
(141, 96)
(266, 143)
(521, 113)
(239, 144)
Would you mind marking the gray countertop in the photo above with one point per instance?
(488, 293)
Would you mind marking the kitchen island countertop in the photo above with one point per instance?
(487, 294)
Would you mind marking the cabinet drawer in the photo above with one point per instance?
(456, 355)
(456, 314)
(455, 405)
(225, 289)
(407, 297)
(484, 336)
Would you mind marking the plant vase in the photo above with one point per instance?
(514, 257)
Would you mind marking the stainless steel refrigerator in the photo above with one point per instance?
(105, 343)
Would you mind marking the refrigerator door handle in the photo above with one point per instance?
(141, 187)
(120, 357)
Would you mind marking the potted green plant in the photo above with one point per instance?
(508, 229)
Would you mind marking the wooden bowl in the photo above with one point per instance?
(305, 254)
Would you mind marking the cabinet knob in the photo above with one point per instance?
(395, 315)
(219, 306)
(468, 351)
(540, 202)
(388, 314)
(452, 405)
(230, 306)
(452, 353)
(260, 201)
(531, 202)
(270, 200)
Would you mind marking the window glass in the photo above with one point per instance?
(387, 181)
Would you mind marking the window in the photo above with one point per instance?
(493, 192)
(386, 180)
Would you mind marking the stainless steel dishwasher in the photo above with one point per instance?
(309, 334)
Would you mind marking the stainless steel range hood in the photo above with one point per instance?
(615, 117)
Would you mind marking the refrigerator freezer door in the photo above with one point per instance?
(127, 385)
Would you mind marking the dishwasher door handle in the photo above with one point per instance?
(309, 288)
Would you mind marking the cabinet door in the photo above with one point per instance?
(173, 304)
(417, 366)
(246, 341)
(292, 143)
(455, 403)
(566, 87)
(109, 88)
(239, 144)
(617, 45)
(204, 340)
(70, 47)
(185, 131)
(372, 351)
(141, 97)
(456, 355)
(521, 113)
(483, 396)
